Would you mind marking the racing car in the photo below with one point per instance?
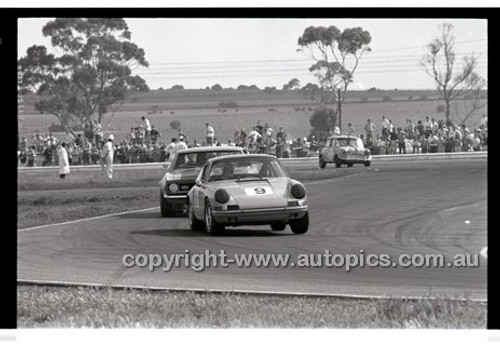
(181, 175)
(344, 149)
(251, 189)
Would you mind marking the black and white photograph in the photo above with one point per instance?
(256, 171)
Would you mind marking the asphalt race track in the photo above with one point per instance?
(414, 207)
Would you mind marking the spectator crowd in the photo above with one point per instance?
(146, 144)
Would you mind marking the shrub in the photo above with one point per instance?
(228, 104)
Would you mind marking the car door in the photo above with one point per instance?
(199, 192)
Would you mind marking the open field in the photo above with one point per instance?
(292, 110)
(62, 307)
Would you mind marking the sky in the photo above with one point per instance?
(198, 53)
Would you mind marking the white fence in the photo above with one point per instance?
(292, 161)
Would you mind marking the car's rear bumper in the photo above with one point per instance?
(259, 216)
(355, 159)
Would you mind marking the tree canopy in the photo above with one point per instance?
(336, 54)
(92, 77)
(439, 62)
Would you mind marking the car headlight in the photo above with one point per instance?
(298, 191)
(221, 196)
(173, 188)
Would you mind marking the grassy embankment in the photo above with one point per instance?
(46, 306)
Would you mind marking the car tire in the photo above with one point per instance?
(278, 226)
(211, 226)
(194, 223)
(165, 207)
(322, 163)
(300, 226)
(350, 164)
(367, 163)
(338, 162)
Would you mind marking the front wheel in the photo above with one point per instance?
(300, 226)
(165, 207)
(367, 163)
(211, 226)
(338, 162)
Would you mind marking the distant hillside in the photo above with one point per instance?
(168, 100)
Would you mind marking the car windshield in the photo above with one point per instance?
(243, 169)
(356, 143)
(198, 159)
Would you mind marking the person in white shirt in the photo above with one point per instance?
(209, 133)
(386, 123)
(108, 155)
(254, 135)
(147, 129)
(170, 149)
(62, 154)
(181, 145)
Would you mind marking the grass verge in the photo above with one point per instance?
(62, 307)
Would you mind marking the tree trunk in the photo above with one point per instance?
(339, 111)
(447, 111)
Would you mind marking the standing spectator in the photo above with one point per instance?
(477, 141)
(147, 129)
(131, 136)
(401, 135)
(170, 149)
(155, 134)
(370, 128)
(484, 121)
(62, 154)
(78, 140)
(433, 143)
(350, 129)
(420, 127)
(410, 128)
(180, 145)
(254, 134)
(30, 156)
(427, 126)
(281, 134)
(434, 126)
(109, 152)
(385, 127)
(209, 133)
(457, 139)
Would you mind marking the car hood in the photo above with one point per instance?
(257, 194)
(182, 174)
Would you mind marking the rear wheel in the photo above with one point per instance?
(322, 163)
(278, 226)
(211, 226)
(367, 163)
(300, 226)
(165, 207)
(194, 223)
(338, 162)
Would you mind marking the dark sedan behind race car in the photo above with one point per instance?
(246, 190)
(181, 175)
